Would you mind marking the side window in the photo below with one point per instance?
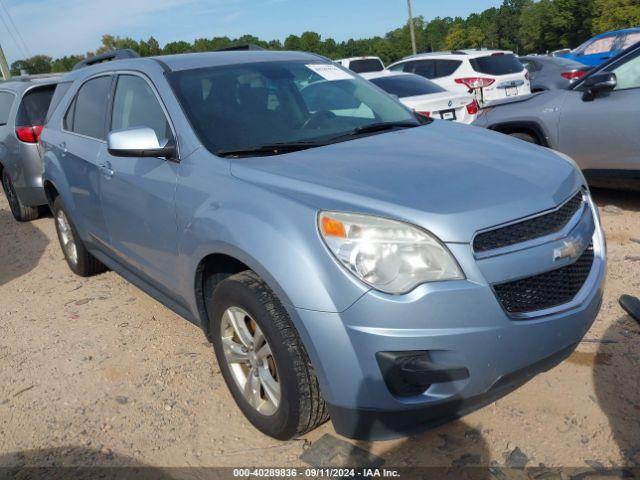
(444, 68)
(88, 112)
(628, 74)
(425, 68)
(136, 105)
(6, 101)
(630, 39)
(400, 67)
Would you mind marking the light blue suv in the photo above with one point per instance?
(345, 259)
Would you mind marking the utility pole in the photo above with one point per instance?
(412, 29)
(4, 66)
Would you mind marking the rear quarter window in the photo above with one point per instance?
(34, 106)
(444, 68)
(6, 101)
(502, 64)
(58, 94)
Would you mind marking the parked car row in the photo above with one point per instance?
(347, 257)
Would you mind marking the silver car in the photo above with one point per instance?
(23, 107)
(596, 121)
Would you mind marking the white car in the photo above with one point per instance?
(425, 97)
(489, 74)
(362, 64)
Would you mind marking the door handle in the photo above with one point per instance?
(105, 169)
(63, 147)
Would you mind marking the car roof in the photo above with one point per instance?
(189, 61)
(25, 82)
(617, 32)
(552, 60)
(350, 59)
(456, 54)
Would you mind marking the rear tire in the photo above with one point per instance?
(80, 261)
(244, 307)
(20, 211)
(525, 137)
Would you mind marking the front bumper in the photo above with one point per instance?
(461, 325)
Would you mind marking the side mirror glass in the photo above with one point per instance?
(139, 142)
(598, 84)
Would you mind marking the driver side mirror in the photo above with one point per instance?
(598, 84)
(139, 142)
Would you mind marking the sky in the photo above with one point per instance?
(63, 27)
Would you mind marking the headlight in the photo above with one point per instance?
(391, 256)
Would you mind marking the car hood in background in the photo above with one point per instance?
(450, 179)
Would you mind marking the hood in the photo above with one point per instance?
(450, 179)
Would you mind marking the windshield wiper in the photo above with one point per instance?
(273, 149)
(375, 127)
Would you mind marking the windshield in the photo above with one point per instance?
(407, 85)
(239, 107)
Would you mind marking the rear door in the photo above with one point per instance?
(138, 194)
(603, 134)
(85, 127)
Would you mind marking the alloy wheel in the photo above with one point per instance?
(66, 237)
(250, 360)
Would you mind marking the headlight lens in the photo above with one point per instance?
(391, 256)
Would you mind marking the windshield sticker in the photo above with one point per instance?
(330, 72)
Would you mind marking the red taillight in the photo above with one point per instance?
(424, 114)
(475, 83)
(29, 134)
(574, 75)
(473, 108)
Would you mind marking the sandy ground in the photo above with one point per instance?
(94, 372)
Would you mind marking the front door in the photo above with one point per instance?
(138, 194)
(603, 134)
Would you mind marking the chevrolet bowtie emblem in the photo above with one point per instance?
(570, 249)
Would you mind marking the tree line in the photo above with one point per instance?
(524, 26)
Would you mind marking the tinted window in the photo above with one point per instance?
(501, 64)
(236, 107)
(34, 106)
(400, 67)
(90, 108)
(424, 68)
(6, 100)
(58, 94)
(407, 85)
(135, 105)
(366, 65)
(444, 68)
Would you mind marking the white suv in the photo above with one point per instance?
(362, 64)
(490, 74)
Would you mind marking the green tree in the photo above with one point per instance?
(34, 65)
(615, 14)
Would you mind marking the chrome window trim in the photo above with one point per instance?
(552, 237)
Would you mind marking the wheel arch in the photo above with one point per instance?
(531, 128)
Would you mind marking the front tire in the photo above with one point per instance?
(526, 137)
(80, 261)
(19, 210)
(263, 360)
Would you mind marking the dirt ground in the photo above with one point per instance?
(94, 372)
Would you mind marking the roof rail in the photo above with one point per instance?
(249, 46)
(106, 57)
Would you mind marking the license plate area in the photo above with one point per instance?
(511, 91)
(448, 115)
